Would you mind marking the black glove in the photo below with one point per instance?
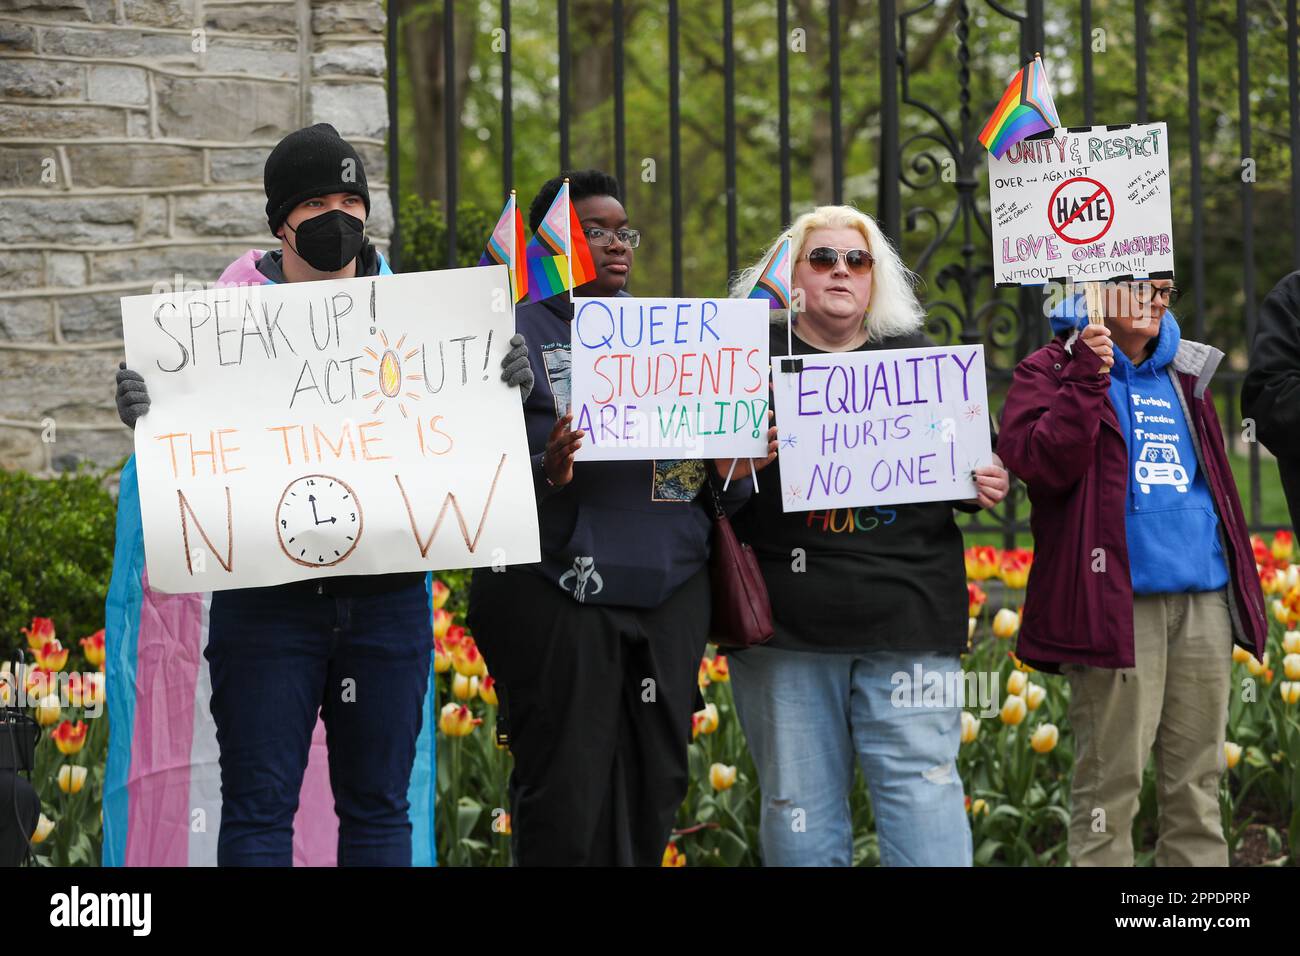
(515, 369)
(132, 396)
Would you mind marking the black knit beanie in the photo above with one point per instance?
(311, 162)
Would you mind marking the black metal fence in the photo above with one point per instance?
(956, 262)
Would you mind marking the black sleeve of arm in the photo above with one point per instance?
(1271, 392)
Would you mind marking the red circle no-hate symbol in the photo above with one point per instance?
(1094, 191)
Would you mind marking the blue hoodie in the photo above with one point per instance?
(1170, 519)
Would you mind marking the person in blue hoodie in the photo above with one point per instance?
(596, 649)
(1175, 697)
(277, 654)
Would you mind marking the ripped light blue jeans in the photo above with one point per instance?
(806, 715)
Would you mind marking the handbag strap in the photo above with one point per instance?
(714, 495)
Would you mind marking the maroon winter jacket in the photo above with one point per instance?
(1061, 436)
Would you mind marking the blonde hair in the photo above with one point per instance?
(893, 310)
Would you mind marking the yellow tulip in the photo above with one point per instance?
(455, 720)
(979, 806)
(1257, 667)
(441, 659)
(47, 711)
(970, 727)
(1044, 739)
(1034, 696)
(487, 691)
(1016, 682)
(69, 737)
(719, 669)
(673, 856)
(1291, 666)
(1232, 752)
(970, 630)
(468, 659)
(464, 688)
(1291, 642)
(1018, 664)
(722, 777)
(441, 621)
(1290, 691)
(707, 719)
(440, 594)
(1005, 623)
(1013, 711)
(43, 828)
(1239, 654)
(71, 779)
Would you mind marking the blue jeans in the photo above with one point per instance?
(278, 656)
(805, 716)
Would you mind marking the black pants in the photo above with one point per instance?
(20, 811)
(598, 703)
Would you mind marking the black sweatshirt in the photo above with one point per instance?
(1270, 394)
(863, 579)
(625, 533)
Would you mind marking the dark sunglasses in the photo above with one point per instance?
(824, 258)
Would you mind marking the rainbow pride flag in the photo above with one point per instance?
(1026, 108)
(774, 281)
(559, 258)
(503, 247)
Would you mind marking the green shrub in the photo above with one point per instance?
(56, 554)
(424, 234)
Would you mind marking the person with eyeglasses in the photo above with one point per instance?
(1143, 574)
(859, 595)
(596, 649)
(1270, 395)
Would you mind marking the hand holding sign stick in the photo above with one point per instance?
(1096, 335)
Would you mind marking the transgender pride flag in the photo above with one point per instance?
(162, 777)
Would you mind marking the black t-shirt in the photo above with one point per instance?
(891, 577)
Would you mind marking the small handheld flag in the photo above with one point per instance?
(1026, 108)
(505, 245)
(558, 256)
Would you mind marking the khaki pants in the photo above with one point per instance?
(1176, 699)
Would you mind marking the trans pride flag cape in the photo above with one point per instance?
(162, 749)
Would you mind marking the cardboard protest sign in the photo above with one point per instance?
(353, 426)
(885, 427)
(669, 378)
(1082, 205)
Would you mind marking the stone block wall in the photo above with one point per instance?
(132, 138)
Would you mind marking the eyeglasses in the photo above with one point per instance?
(825, 258)
(604, 237)
(1146, 292)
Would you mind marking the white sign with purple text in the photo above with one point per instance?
(893, 426)
(1082, 205)
(669, 378)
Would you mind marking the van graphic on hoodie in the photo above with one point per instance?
(1169, 510)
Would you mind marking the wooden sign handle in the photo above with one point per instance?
(1096, 312)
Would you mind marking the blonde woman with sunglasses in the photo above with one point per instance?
(878, 592)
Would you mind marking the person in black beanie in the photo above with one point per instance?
(280, 655)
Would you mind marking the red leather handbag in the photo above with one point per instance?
(742, 610)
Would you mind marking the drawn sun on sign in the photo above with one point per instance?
(789, 441)
(388, 374)
(972, 411)
(794, 492)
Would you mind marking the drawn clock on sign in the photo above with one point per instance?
(318, 521)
